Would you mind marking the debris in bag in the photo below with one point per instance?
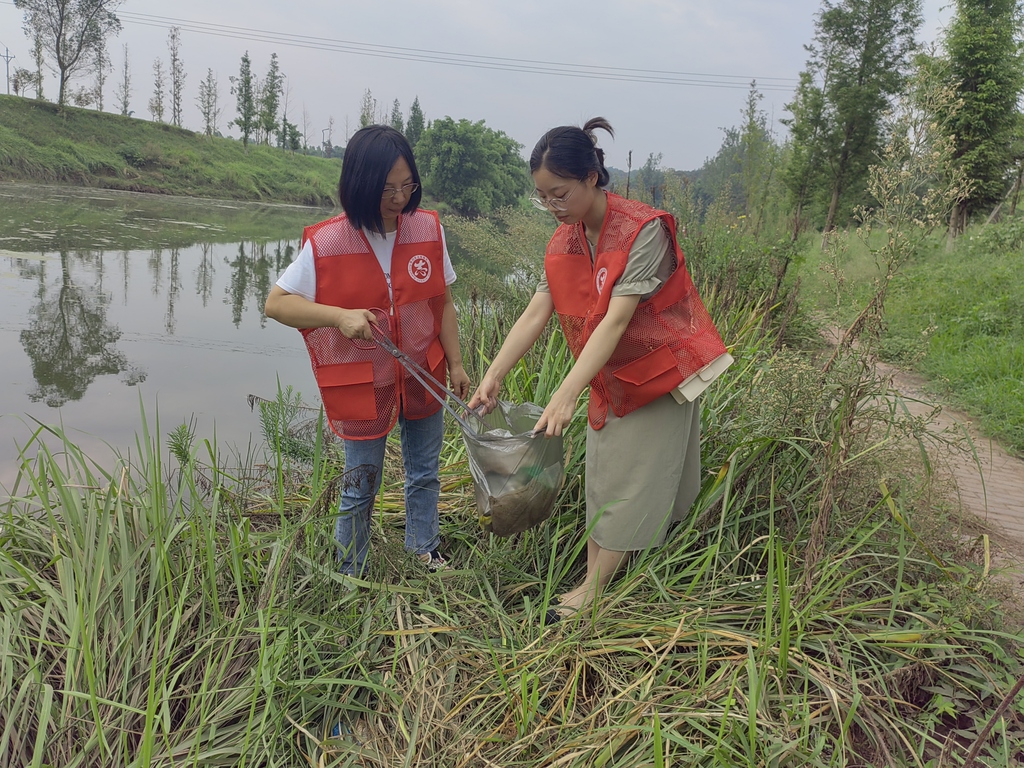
(517, 476)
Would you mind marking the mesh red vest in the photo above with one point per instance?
(670, 336)
(362, 386)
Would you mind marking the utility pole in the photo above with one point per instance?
(7, 58)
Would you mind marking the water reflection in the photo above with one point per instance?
(69, 339)
(109, 302)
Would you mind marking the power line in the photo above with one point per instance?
(458, 59)
(472, 61)
(464, 60)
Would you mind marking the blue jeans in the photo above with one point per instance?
(364, 466)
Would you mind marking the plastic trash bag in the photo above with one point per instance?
(517, 476)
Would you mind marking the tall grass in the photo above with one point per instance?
(184, 609)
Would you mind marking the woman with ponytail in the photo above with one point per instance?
(642, 341)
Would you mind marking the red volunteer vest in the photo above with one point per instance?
(363, 387)
(670, 336)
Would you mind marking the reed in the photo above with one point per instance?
(181, 609)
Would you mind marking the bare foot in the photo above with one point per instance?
(576, 599)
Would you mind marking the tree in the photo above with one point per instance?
(306, 121)
(759, 158)
(124, 88)
(70, 32)
(23, 79)
(245, 100)
(177, 74)
(471, 167)
(329, 141)
(39, 57)
(367, 109)
(81, 96)
(414, 126)
(985, 67)
(860, 57)
(650, 180)
(101, 67)
(396, 117)
(208, 102)
(802, 173)
(270, 99)
(156, 104)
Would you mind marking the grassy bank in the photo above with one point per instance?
(956, 316)
(39, 143)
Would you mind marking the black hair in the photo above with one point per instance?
(572, 152)
(369, 157)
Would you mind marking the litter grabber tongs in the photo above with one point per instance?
(422, 375)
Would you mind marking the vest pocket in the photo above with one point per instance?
(649, 377)
(435, 359)
(347, 391)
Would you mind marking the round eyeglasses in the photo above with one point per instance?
(407, 191)
(553, 203)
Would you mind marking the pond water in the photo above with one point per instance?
(112, 304)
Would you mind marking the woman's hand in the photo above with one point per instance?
(459, 380)
(558, 413)
(356, 323)
(485, 399)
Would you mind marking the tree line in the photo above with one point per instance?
(863, 57)
(467, 165)
(864, 61)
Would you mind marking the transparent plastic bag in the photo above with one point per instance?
(517, 476)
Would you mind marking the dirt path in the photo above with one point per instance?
(990, 485)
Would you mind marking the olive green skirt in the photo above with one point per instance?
(643, 473)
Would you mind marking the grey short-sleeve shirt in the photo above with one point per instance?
(650, 262)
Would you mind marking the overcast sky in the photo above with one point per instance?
(721, 43)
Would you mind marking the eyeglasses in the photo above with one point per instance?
(407, 191)
(554, 203)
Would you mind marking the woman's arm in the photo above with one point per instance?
(297, 312)
(449, 338)
(595, 354)
(524, 333)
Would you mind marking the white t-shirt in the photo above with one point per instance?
(300, 276)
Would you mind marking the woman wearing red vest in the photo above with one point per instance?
(643, 342)
(385, 255)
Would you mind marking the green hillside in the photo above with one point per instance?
(40, 143)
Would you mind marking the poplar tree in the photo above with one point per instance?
(985, 67)
(367, 109)
(156, 104)
(270, 99)
(415, 125)
(245, 100)
(177, 74)
(208, 102)
(39, 57)
(396, 117)
(101, 67)
(124, 88)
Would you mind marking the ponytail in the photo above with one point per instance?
(572, 152)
